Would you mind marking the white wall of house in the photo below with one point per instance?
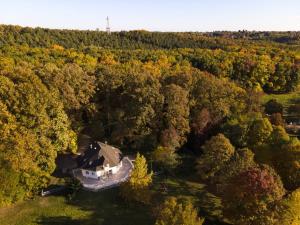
(115, 169)
(89, 174)
(106, 169)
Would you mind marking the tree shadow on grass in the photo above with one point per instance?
(58, 220)
(102, 208)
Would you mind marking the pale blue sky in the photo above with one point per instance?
(158, 15)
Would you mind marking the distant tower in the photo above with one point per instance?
(107, 26)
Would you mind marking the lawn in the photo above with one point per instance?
(106, 208)
(209, 205)
(87, 208)
(285, 99)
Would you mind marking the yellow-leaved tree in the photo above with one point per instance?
(137, 187)
(172, 212)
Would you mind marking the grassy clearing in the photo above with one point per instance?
(285, 99)
(88, 208)
(106, 208)
(209, 205)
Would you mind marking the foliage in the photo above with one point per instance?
(137, 187)
(160, 92)
(241, 161)
(249, 196)
(216, 153)
(282, 153)
(34, 128)
(165, 157)
(172, 212)
(259, 131)
(176, 110)
(272, 106)
(276, 119)
(289, 210)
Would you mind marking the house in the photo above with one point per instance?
(100, 160)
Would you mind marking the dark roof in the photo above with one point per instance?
(99, 154)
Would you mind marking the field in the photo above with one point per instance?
(106, 207)
(87, 208)
(285, 99)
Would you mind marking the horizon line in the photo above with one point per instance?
(142, 29)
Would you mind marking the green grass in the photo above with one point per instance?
(106, 208)
(87, 208)
(197, 193)
(285, 99)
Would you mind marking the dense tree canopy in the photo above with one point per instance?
(189, 96)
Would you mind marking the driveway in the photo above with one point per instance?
(108, 182)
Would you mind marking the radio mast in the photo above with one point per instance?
(107, 26)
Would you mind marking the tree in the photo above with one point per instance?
(276, 119)
(208, 93)
(289, 209)
(10, 189)
(201, 126)
(176, 111)
(201, 121)
(172, 212)
(259, 132)
(250, 196)
(242, 160)
(286, 161)
(236, 129)
(216, 153)
(137, 187)
(169, 138)
(282, 153)
(165, 157)
(128, 102)
(74, 84)
(272, 106)
(33, 128)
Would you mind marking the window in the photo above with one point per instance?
(93, 173)
(87, 172)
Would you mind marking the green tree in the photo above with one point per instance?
(216, 153)
(272, 106)
(176, 110)
(282, 153)
(208, 93)
(242, 160)
(259, 132)
(74, 84)
(33, 128)
(165, 157)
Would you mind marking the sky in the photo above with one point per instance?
(154, 15)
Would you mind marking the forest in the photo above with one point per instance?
(191, 103)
